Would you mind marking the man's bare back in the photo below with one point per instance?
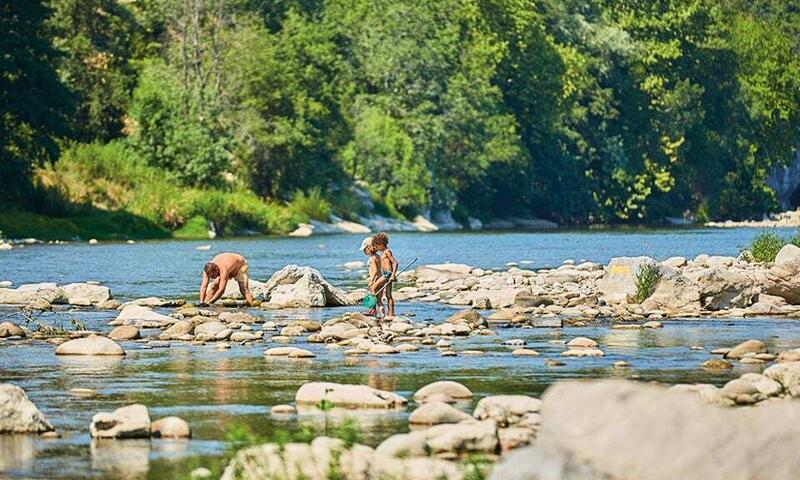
(219, 271)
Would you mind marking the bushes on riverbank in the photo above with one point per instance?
(93, 186)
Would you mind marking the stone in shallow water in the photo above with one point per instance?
(132, 421)
(8, 329)
(170, 427)
(749, 346)
(83, 392)
(124, 332)
(717, 364)
(449, 388)
(583, 352)
(91, 345)
(581, 342)
(525, 352)
(18, 414)
(347, 395)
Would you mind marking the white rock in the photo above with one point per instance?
(91, 345)
(132, 421)
(18, 414)
(346, 395)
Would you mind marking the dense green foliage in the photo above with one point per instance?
(597, 111)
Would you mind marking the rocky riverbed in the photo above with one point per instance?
(573, 320)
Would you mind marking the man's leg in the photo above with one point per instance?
(244, 287)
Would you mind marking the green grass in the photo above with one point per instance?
(92, 224)
(646, 281)
(108, 192)
(766, 245)
(23, 225)
(195, 227)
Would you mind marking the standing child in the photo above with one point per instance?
(388, 268)
(375, 275)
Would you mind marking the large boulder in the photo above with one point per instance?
(18, 414)
(619, 280)
(645, 432)
(783, 277)
(294, 286)
(86, 294)
(701, 288)
(91, 345)
(132, 421)
(8, 329)
(137, 315)
(25, 294)
(346, 395)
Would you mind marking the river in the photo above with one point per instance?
(216, 390)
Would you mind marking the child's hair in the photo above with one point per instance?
(370, 249)
(380, 240)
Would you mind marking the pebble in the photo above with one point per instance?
(474, 353)
(448, 353)
(515, 342)
(50, 435)
(283, 410)
(554, 363)
(621, 364)
(222, 346)
(83, 392)
(717, 364)
(525, 352)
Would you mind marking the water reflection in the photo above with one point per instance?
(17, 452)
(127, 459)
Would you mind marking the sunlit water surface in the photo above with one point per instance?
(217, 390)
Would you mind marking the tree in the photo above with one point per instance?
(34, 104)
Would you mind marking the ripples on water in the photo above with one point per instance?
(214, 389)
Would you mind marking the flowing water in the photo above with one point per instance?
(216, 391)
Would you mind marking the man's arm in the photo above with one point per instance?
(222, 282)
(203, 287)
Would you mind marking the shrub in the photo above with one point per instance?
(765, 246)
(646, 281)
(311, 205)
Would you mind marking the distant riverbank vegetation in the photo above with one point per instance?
(148, 118)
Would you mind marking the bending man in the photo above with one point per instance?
(219, 271)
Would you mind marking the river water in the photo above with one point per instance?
(216, 391)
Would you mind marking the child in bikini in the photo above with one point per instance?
(375, 274)
(389, 266)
